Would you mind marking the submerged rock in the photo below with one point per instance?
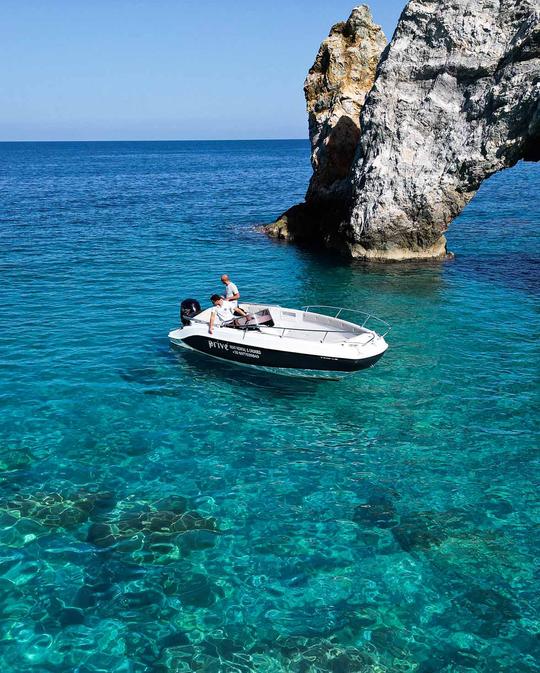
(455, 99)
(421, 531)
(328, 656)
(378, 512)
(193, 589)
(14, 459)
(154, 536)
(485, 612)
(55, 510)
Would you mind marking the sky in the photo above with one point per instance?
(163, 69)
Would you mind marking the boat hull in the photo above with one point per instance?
(258, 356)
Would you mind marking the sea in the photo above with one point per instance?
(165, 512)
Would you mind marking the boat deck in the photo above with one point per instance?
(303, 326)
(314, 333)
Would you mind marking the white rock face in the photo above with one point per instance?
(456, 98)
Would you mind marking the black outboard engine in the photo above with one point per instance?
(189, 308)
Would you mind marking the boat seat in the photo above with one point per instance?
(252, 321)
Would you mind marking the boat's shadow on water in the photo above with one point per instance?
(202, 368)
(166, 371)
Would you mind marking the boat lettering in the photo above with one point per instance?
(218, 344)
(246, 352)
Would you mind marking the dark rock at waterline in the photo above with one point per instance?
(335, 90)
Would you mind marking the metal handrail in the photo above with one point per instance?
(326, 332)
(339, 309)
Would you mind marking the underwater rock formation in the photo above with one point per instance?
(16, 459)
(379, 512)
(455, 100)
(154, 536)
(55, 510)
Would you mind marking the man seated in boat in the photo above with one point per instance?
(224, 311)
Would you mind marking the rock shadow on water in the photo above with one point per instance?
(510, 270)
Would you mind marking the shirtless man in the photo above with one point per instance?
(231, 290)
(223, 310)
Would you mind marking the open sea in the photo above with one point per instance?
(163, 512)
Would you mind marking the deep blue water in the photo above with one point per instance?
(162, 513)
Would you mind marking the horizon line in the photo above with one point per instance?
(160, 140)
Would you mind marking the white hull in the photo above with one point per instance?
(298, 341)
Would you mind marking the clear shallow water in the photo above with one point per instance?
(161, 512)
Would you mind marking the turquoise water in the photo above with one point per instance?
(162, 512)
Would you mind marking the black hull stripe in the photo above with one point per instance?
(264, 357)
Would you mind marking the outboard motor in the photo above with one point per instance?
(189, 308)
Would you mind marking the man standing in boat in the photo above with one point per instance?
(224, 311)
(231, 291)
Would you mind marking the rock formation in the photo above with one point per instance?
(335, 90)
(455, 100)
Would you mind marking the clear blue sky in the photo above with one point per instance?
(162, 69)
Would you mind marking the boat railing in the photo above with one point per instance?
(282, 331)
(367, 317)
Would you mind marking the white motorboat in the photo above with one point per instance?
(287, 340)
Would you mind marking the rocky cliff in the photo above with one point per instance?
(335, 89)
(455, 99)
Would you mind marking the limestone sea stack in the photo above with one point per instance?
(455, 99)
(335, 89)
